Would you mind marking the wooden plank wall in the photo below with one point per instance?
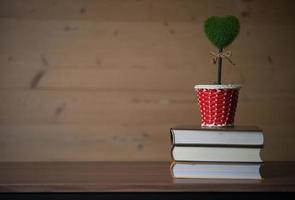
(105, 80)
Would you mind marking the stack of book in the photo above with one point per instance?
(232, 153)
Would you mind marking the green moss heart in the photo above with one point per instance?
(221, 31)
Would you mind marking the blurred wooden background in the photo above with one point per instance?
(105, 80)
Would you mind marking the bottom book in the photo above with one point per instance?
(216, 170)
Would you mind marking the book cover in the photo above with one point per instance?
(216, 170)
(235, 136)
(215, 154)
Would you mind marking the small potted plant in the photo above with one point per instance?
(217, 102)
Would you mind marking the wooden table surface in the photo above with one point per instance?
(130, 177)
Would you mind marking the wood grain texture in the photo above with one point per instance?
(131, 177)
(74, 71)
(84, 142)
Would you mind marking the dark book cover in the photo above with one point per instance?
(240, 129)
(234, 128)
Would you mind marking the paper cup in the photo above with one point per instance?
(217, 104)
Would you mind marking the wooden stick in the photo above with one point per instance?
(219, 68)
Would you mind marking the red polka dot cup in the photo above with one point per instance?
(217, 104)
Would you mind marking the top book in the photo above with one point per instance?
(229, 136)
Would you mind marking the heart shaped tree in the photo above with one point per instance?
(221, 31)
